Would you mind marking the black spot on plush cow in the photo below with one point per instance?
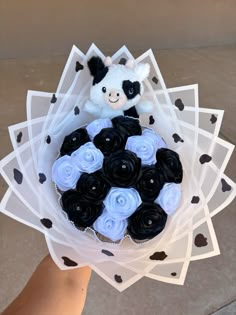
(117, 89)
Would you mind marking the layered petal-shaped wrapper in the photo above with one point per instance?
(188, 129)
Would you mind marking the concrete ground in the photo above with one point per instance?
(210, 287)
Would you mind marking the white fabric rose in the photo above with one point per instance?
(108, 227)
(121, 203)
(144, 147)
(64, 173)
(97, 125)
(169, 197)
(159, 142)
(88, 158)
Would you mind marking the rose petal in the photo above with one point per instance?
(64, 173)
(108, 227)
(169, 163)
(73, 141)
(120, 203)
(97, 125)
(80, 212)
(169, 197)
(159, 142)
(88, 158)
(148, 221)
(144, 147)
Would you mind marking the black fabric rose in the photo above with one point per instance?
(150, 183)
(80, 212)
(92, 187)
(74, 140)
(127, 126)
(147, 222)
(169, 163)
(122, 168)
(109, 140)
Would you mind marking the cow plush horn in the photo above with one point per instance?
(108, 61)
(130, 64)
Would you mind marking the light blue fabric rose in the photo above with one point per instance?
(64, 173)
(144, 147)
(108, 227)
(121, 203)
(97, 125)
(159, 142)
(169, 197)
(88, 158)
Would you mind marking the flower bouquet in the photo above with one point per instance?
(33, 169)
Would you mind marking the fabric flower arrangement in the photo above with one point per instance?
(118, 179)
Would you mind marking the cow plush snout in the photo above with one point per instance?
(115, 98)
(114, 94)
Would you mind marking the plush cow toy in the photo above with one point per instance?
(117, 89)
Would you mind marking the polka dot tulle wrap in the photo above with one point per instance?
(189, 130)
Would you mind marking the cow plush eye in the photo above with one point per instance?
(131, 91)
(104, 89)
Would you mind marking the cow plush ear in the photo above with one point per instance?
(95, 65)
(142, 70)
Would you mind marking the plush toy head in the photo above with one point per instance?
(115, 85)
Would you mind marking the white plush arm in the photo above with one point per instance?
(144, 107)
(108, 112)
(92, 108)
